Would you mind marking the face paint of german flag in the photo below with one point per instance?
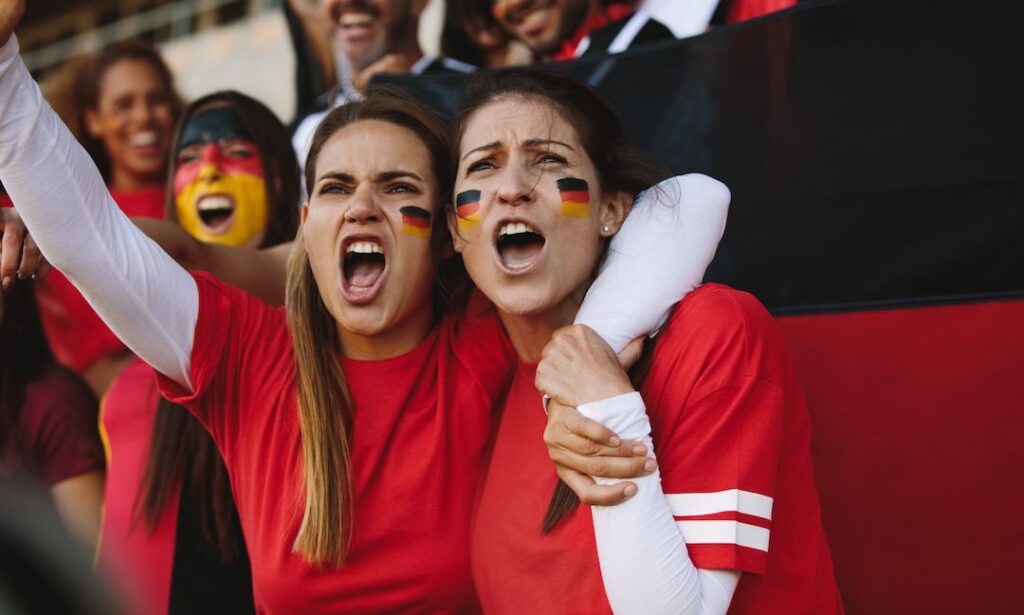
(467, 207)
(575, 197)
(415, 221)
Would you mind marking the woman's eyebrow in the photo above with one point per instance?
(490, 145)
(342, 177)
(387, 176)
(536, 142)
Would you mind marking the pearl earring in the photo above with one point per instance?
(605, 229)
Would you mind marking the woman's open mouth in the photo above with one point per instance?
(518, 247)
(216, 213)
(363, 269)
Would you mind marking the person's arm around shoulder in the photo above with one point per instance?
(643, 557)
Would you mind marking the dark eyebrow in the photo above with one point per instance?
(393, 175)
(527, 143)
(491, 145)
(342, 177)
(536, 142)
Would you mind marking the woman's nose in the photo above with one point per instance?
(362, 209)
(515, 186)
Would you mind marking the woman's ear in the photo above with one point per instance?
(458, 243)
(614, 210)
(93, 124)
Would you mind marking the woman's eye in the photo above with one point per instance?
(238, 152)
(333, 188)
(552, 159)
(480, 165)
(403, 189)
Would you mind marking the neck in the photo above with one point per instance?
(530, 333)
(394, 342)
(124, 181)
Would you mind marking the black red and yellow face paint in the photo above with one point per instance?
(575, 195)
(415, 221)
(219, 187)
(467, 208)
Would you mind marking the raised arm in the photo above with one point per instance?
(140, 292)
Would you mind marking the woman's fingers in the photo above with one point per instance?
(10, 250)
(563, 419)
(603, 466)
(593, 494)
(631, 353)
(31, 259)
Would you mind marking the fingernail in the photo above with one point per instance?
(614, 441)
(639, 450)
(7, 282)
(650, 465)
(629, 490)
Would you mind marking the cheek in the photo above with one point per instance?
(184, 176)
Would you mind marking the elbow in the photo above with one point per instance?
(707, 192)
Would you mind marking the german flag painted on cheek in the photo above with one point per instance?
(415, 221)
(575, 197)
(467, 208)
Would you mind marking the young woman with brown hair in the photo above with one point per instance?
(170, 528)
(724, 407)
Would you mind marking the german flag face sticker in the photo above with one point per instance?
(415, 221)
(575, 197)
(467, 208)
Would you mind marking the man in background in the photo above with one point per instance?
(369, 37)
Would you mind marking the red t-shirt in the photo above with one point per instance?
(139, 561)
(732, 435)
(422, 422)
(77, 335)
(56, 434)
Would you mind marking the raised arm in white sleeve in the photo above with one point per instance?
(148, 300)
(644, 562)
(658, 256)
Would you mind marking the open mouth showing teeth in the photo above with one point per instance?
(518, 245)
(363, 265)
(355, 20)
(216, 212)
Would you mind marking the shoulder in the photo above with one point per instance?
(637, 29)
(724, 329)
(433, 65)
(56, 396)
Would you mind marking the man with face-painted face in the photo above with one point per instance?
(370, 37)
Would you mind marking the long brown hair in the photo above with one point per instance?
(324, 402)
(181, 450)
(86, 83)
(620, 167)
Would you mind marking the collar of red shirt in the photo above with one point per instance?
(613, 12)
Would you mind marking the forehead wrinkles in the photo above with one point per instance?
(527, 118)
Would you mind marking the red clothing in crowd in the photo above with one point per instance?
(56, 438)
(75, 333)
(613, 12)
(742, 10)
(732, 435)
(139, 560)
(422, 422)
